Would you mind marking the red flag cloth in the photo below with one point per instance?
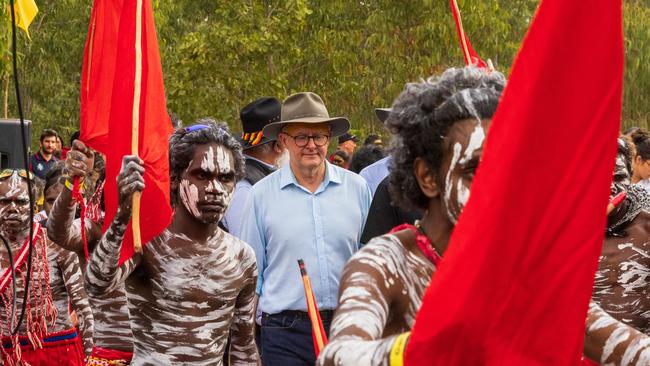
(515, 282)
(154, 123)
(470, 56)
(98, 72)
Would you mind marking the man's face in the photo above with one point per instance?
(50, 197)
(48, 145)
(206, 186)
(348, 146)
(14, 204)
(463, 148)
(310, 155)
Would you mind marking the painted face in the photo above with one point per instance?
(48, 145)
(206, 186)
(463, 148)
(621, 172)
(50, 197)
(310, 155)
(14, 204)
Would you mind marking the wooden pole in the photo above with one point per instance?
(135, 127)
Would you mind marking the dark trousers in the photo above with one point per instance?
(286, 338)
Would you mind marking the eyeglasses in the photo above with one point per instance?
(302, 140)
(6, 173)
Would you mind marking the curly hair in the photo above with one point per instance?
(183, 142)
(421, 117)
(641, 139)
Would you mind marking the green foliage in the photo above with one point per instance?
(219, 55)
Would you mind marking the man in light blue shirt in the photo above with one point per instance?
(377, 171)
(310, 210)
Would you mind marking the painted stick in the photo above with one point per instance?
(317, 329)
(135, 127)
(617, 200)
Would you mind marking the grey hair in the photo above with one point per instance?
(422, 115)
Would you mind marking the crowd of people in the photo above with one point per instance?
(221, 285)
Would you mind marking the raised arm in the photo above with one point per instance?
(62, 228)
(243, 350)
(362, 314)
(613, 343)
(69, 264)
(103, 274)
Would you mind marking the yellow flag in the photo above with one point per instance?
(25, 12)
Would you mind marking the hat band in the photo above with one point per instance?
(253, 138)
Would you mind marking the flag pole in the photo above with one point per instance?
(317, 329)
(135, 127)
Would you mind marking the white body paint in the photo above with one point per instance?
(363, 306)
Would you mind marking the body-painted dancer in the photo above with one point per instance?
(47, 335)
(194, 284)
(439, 128)
(113, 341)
(622, 284)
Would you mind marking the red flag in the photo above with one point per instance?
(98, 72)
(123, 80)
(515, 283)
(470, 56)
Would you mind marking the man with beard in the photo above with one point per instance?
(261, 154)
(113, 342)
(194, 283)
(41, 162)
(47, 336)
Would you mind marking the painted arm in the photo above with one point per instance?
(72, 277)
(243, 350)
(612, 342)
(62, 228)
(362, 314)
(103, 274)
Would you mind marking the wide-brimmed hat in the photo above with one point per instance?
(254, 117)
(382, 113)
(306, 107)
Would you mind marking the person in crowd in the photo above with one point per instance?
(261, 156)
(366, 155)
(621, 286)
(295, 213)
(47, 336)
(628, 132)
(112, 338)
(373, 139)
(340, 158)
(348, 143)
(641, 159)
(439, 127)
(51, 190)
(41, 162)
(194, 284)
(378, 171)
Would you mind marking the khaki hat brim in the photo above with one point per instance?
(338, 125)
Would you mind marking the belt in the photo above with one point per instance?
(325, 315)
(53, 337)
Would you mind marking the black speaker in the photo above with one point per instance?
(11, 150)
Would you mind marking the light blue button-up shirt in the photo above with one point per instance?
(286, 222)
(375, 173)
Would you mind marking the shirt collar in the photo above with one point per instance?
(332, 175)
(259, 161)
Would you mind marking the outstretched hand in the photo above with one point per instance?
(79, 161)
(129, 181)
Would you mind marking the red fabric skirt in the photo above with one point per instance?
(60, 348)
(109, 357)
